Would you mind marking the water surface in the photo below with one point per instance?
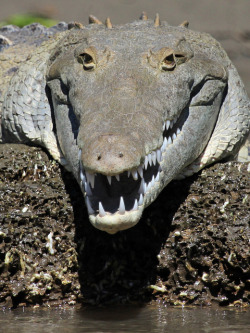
(121, 319)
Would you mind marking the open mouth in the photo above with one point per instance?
(126, 192)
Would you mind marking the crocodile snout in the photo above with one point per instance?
(110, 154)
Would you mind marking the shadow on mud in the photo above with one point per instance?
(121, 267)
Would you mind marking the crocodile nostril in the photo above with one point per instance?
(120, 154)
(99, 156)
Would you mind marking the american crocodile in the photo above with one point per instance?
(125, 108)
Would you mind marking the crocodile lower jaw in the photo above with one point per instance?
(112, 223)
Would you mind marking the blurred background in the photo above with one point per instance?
(227, 20)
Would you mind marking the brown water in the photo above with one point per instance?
(126, 319)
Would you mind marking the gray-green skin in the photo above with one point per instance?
(102, 100)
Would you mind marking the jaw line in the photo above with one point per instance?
(112, 223)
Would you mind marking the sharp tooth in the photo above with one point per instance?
(141, 200)
(91, 178)
(117, 177)
(167, 124)
(129, 173)
(140, 171)
(157, 177)
(134, 174)
(171, 124)
(101, 210)
(83, 179)
(135, 205)
(178, 131)
(109, 179)
(122, 206)
(88, 189)
(153, 181)
(164, 145)
(142, 187)
(79, 154)
(149, 186)
(146, 162)
(169, 140)
(163, 127)
(153, 154)
(158, 155)
(88, 204)
(174, 136)
(150, 159)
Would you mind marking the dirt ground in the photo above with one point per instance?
(194, 250)
(191, 246)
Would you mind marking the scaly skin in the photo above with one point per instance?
(127, 109)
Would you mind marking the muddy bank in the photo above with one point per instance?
(191, 246)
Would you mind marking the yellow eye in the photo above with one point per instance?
(168, 63)
(87, 61)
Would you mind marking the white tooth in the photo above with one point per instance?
(158, 155)
(135, 205)
(145, 187)
(109, 179)
(174, 136)
(141, 200)
(129, 173)
(117, 177)
(101, 210)
(153, 154)
(164, 145)
(134, 174)
(167, 124)
(122, 206)
(163, 127)
(140, 171)
(157, 177)
(87, 189)
(153, 181)
(79, 154)
(149, 186)
(169, 140)
(90, 209)
(83, 179)
(146, 162)
(91, 178)
(150, 159)
(178, 131)
(142, 187)
(171, 123)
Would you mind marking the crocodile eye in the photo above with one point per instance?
(87, 61)
(168, 63)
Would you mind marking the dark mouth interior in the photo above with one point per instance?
(124, 185)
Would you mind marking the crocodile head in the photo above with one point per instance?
(133, 106)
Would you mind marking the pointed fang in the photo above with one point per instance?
(101, 210)
(122, 206)
(134, 174)
(141, 200)
(109, 179)
(135, 205)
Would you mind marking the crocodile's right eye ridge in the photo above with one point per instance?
(87, 60)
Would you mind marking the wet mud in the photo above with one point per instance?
(190, 247)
